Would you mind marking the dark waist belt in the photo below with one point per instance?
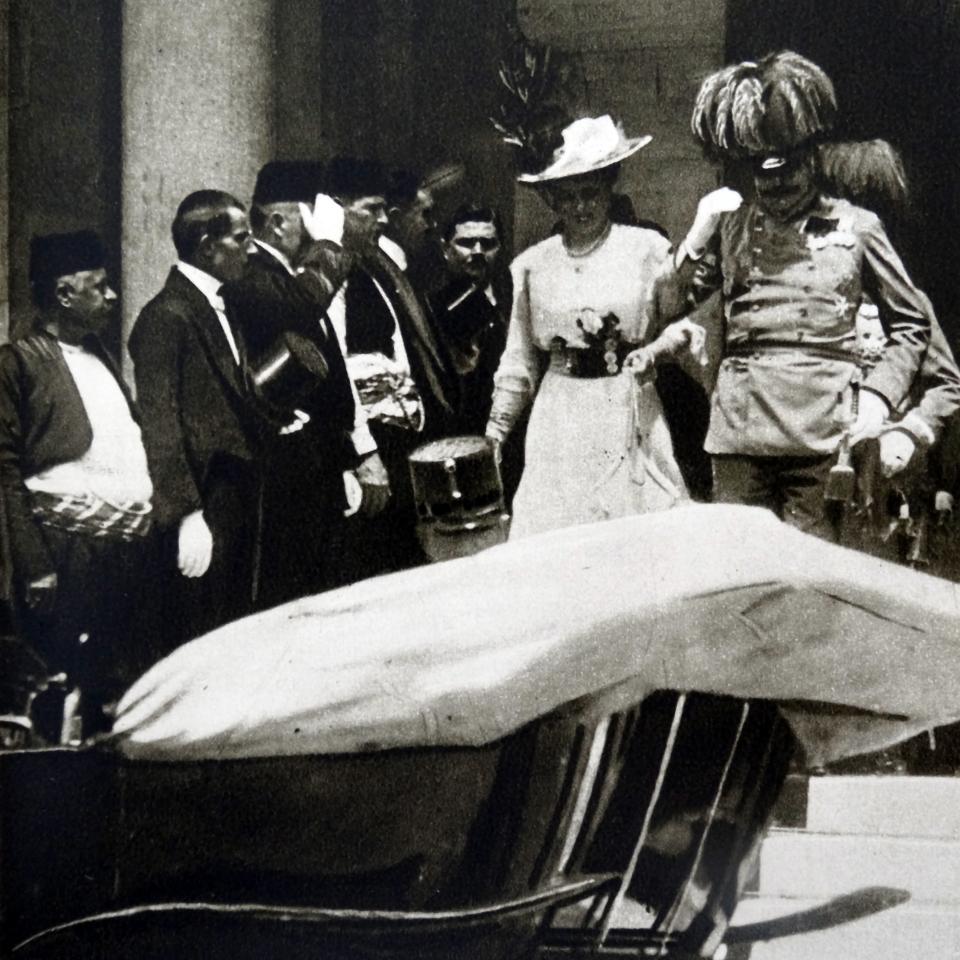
(823, 351)
(588, 364)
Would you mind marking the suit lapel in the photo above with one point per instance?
(414, 325)
(211, 333)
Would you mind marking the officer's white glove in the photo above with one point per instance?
(943, 502)
(872, 415)
(710, 211)
(194, 546)
(896, 450)
(324, 220)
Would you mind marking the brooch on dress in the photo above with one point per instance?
(602, 335)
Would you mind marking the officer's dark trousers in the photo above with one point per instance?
(792, 487)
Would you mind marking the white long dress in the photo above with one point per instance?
(596, 448)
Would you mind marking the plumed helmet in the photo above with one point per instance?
(767, 106)
(869, 173)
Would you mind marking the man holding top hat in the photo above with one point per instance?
(75, 484)
(793, 265)
(321, 429)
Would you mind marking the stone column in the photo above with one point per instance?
(197, 114)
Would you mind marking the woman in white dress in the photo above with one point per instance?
(581, 347)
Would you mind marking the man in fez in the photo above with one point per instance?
(75, 486)
(394, 357)
(321, 430)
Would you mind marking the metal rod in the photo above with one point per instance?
(672, 916)
(627, 877)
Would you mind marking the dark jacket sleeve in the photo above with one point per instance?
(157, 346)
(28, 551)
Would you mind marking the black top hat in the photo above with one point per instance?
(288, 181)
(288, 373)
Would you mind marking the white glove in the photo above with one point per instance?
(683, 333)
(710, 210)
(640, 361)
(677, 336)
(943, 502)
(372, 475)
(325, 220)
(299, 421)
(353, 492)
(896, 450)
(194, 546)
(872, 415)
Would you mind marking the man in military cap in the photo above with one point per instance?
(322, 430)
(75, 484)
(794, 265)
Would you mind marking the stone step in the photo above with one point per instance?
(801, 863)
(885, 806)
(855, 927)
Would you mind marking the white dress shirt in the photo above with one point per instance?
(210, 288)
(114, 468)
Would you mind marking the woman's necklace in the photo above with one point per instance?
(591, 246)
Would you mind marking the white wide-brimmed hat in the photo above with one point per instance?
(588, 144)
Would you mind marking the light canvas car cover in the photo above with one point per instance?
(721, 599)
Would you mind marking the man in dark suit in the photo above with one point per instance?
(320, 435)
(200, 425)
(473, 312)
(396, 359)
(473, 308)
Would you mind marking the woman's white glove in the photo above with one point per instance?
(194, 545)
(324, 220)
(677, 336)
(710, 211)
(683, 334)
(641, 362)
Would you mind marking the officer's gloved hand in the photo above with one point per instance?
(710, 211)
(871, 416)
(896, 451)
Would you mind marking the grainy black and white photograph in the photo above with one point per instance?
(478, 480)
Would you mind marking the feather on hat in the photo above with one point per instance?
(869, 173)
(766, 106)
